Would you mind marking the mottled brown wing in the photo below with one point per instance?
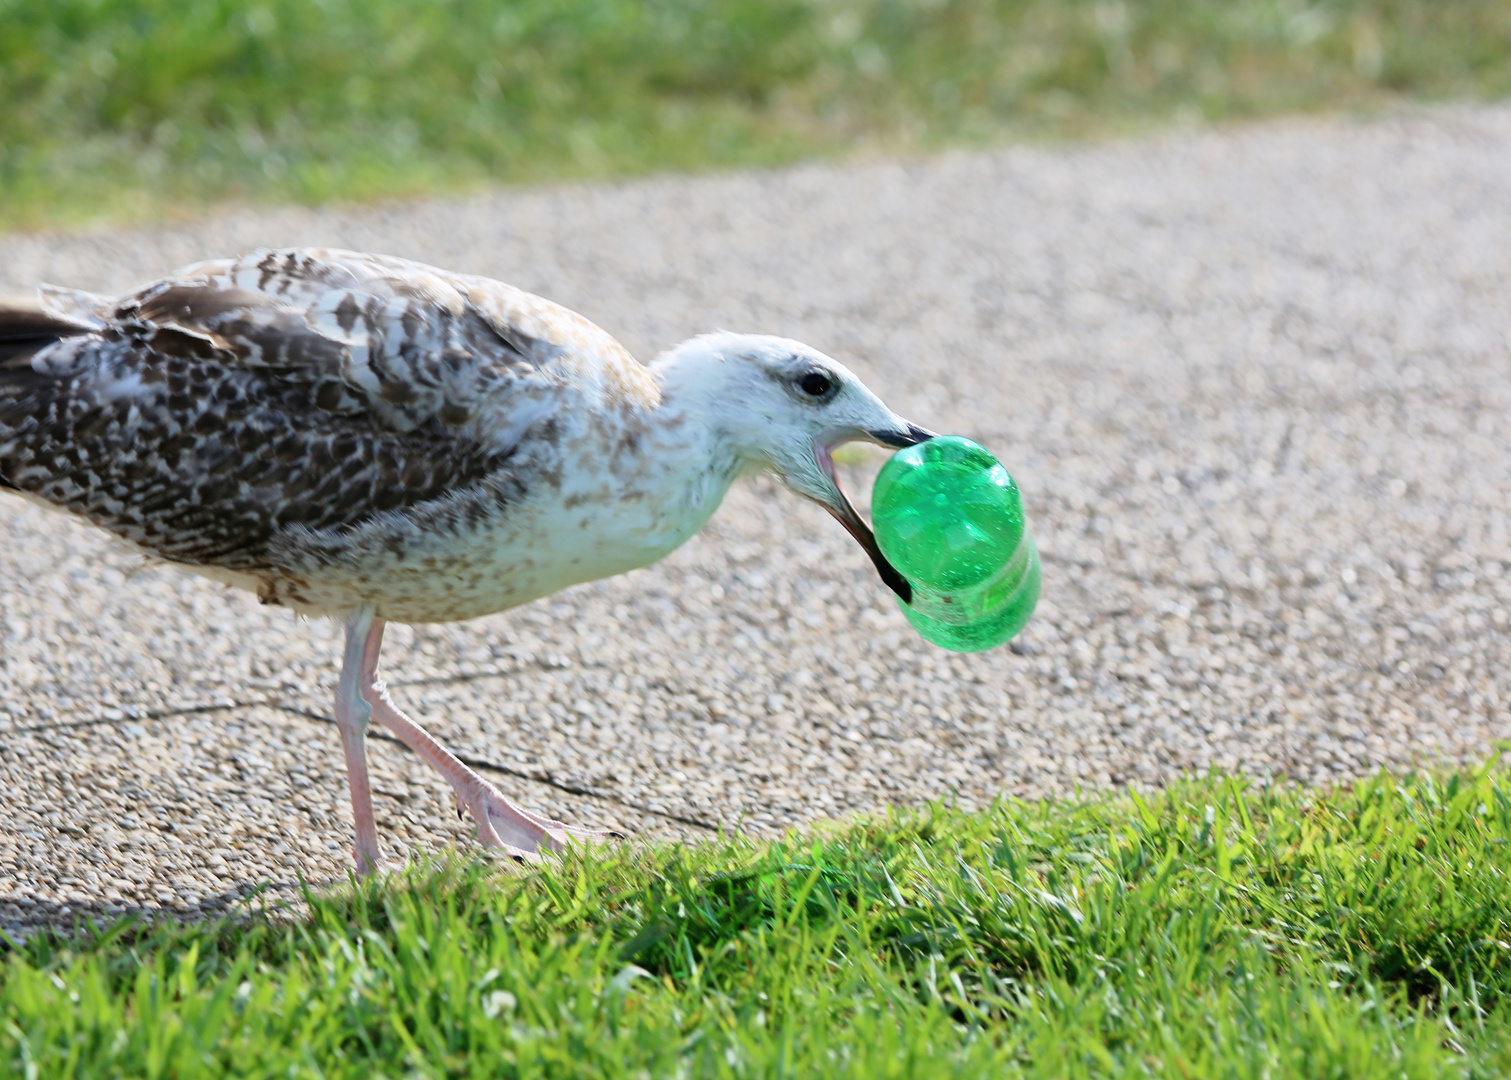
(403, 343)
(235, 399)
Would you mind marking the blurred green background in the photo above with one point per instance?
(150, 108)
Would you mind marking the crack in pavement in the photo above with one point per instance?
(471, 760)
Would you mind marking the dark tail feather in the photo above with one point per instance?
(26, 329)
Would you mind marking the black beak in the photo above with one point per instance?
(897, 440)
(845, 514)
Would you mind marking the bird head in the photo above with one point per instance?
(783, 406)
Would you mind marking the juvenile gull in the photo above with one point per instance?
(376, 440)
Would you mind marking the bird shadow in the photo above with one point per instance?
(275, 900)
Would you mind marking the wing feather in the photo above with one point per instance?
(300, 390)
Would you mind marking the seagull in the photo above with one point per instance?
(374, 440)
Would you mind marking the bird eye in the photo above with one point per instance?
(815, 384)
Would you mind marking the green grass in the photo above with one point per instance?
(141, 108)
(1217, 930)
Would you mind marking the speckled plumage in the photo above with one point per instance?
(261, 420)
(377, 440)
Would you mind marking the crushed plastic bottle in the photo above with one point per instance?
(949, 517)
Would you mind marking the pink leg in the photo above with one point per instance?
(352, 716)
(500, 822)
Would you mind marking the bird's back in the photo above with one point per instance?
(294, 392)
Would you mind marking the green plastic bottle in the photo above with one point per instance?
(949, 517)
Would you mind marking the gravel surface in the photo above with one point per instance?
(1253, 384)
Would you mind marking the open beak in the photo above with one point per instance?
(899, 440)
(845, 514)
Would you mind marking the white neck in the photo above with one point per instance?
(690, 419)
